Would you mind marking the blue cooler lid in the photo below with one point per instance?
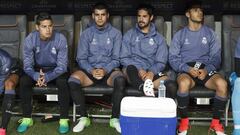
(148, 107)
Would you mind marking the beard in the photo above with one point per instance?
(142, 25)
(196, 21)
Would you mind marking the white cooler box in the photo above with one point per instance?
(148, 116)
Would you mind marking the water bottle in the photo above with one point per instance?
(161, 89)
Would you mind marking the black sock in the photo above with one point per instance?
(8, 103)
(183, 102)
(117, 95)
(135, 80)
(78, 98)
(218, 106)
(171, 87)
(63, 95)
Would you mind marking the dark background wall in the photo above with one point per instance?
(165, 8)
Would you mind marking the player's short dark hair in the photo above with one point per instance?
(193, 4)
(147, 7)
(100, 6)
(43, 16)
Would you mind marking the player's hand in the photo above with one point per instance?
(202, 74)
(94, 73)
(193, 72)
(101, 72)
(149, 75)
(98, 73)
(41, 82)
(142, 73)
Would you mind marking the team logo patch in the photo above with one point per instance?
(37, 49)
(204, 40)
(151, 41)
(137, 39)
(186, 42)
(212, 73)
(160, 74)
(197, 65)
(108, 41)
(7, 69)
(94, 41)
(54, 51)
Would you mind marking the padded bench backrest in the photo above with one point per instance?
(12, 34)
(180, 21)
(65, 25)
(130, 22)
(231, 33)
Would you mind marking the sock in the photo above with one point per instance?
(117, 95)
(7, 105)
(135, 80)
(218, 106)
(78, 96)
(171, 87)
(183, 102)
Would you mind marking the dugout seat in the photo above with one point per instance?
(200, 93)
(230, 35)
(13, 29)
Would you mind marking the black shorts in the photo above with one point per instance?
(201, 66)
(16, 68)
(202, 82)
(157, 76)
(102, 81)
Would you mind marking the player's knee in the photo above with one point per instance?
(184, 83)
(9, 84)
(221, 85)
(120, 81)
(78, 75)
(171, 88)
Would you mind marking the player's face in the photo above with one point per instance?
(100, 16)
(143, 19)
(45, 29)
(195, 15)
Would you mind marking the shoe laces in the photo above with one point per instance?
(83, 120)
(217, 127)
(114, 121)
(148, 88)
(25, 121)
(64, 122)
